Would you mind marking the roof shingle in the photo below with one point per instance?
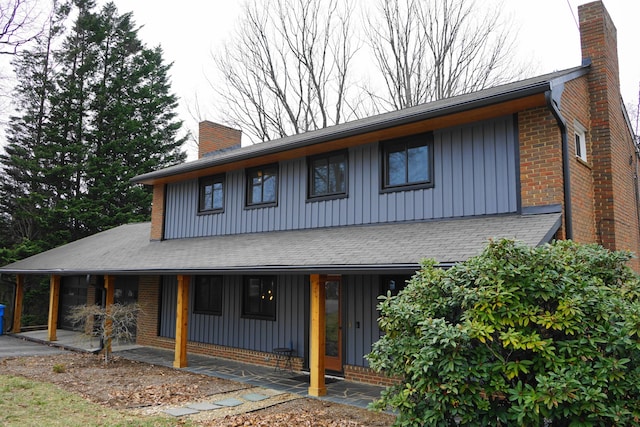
(127, 249)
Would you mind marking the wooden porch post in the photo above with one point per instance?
(182, 322)
(54, 300)
(109, 288)
(17, 309)
(317, 386)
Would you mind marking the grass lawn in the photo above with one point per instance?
(29, 403)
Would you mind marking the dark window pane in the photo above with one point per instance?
(211, 193)
(269, 188)
(217, 196)
(263, 186)
(259, 298)
(397, 168)
(320, 180)
(418, 164)
(407, 161)
(327, 175)
(207, 297)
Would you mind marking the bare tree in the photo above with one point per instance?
(287, 68)
(18, 24)
(114, 322)
(432, 49)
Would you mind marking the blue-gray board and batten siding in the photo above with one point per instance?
(359, 317)
(475, 173)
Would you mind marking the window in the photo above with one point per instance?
(581, 141)
(262, 185)
(407, 162)
(393, 284)
(211, 194)
(207, 296)
(259, 298)
(328, 175)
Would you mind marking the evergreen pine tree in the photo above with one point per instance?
(105, 115)
(25, 199)
(134, 126)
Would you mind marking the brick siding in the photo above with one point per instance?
(365, 375)
(214, 137)
(541, 178)
(149, 301)
(575, 108)
(614, 159)
(157, 212)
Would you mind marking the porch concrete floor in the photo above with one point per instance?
(338, 391)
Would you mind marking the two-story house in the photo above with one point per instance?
(288, 243)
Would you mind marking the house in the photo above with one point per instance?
(287, 244)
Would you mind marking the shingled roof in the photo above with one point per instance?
(482, 98)
(398, 246)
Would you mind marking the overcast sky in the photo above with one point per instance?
(190, 30)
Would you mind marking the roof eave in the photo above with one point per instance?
(324, 135)
(293, 269)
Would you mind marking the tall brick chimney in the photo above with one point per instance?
(213, 137)
(613, 153)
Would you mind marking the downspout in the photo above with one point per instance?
(566, 173)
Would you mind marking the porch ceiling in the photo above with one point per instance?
(395, 246)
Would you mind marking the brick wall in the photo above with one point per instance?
(575, 108)
(614, 159)
(214, 137)
(157, 212)
(149, 301)
(367, 375)
(540, 159)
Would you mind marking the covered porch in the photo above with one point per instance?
(315, 255)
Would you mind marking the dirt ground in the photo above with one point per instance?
(148, 389)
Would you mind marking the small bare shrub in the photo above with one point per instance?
(112, 323)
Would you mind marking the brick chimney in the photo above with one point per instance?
(613, 154)
(213, 137)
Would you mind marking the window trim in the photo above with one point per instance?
(202, 182)
(248, 186)
(580, 141)
(219, 283)
(329, 195)
(385, 147)
(260, 315)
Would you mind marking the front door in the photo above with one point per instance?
(333, 324)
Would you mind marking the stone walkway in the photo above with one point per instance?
(338, 390)
(232, 403)
(283, 381)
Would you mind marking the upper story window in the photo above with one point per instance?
(407, 162)
(262, 185)
(581, 141)
(207, 298)
(211, 194)
(328, 175)
(259, 297)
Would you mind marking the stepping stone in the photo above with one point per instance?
(229, 402)
(254, 397)
(179, 412)
(203, 406)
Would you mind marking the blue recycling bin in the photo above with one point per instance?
(1, 319)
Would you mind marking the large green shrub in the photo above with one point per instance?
(515, 336)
